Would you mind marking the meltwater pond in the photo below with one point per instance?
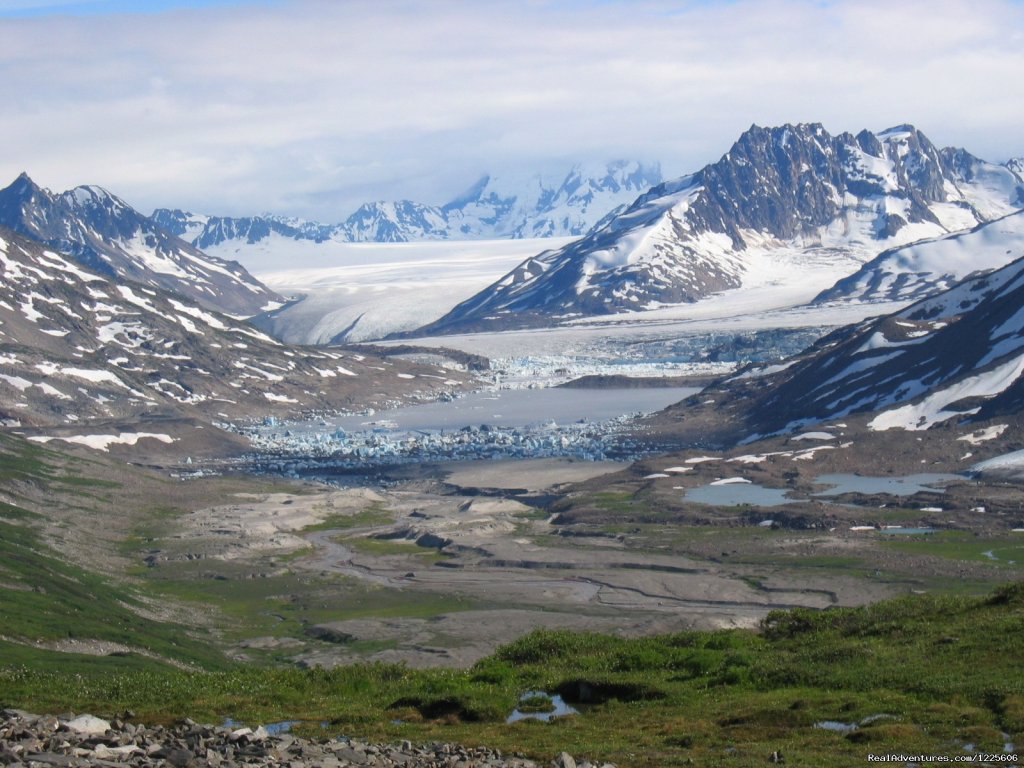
(732, 494)
(739, 494)
(906, 485)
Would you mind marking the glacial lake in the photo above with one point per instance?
(587, 424)
(517, 408)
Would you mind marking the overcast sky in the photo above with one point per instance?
(309, 107)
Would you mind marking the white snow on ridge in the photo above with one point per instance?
(937, 263)
(1008, 461)
(92, 375)
(199, 314)
(932, 410)
(141, 252)
(129, 295)
(814, 436)
(17, 382)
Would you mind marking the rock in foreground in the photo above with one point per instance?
(35, 741)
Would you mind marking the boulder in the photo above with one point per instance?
(89, 725)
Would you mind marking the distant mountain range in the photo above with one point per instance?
(493, 207)
(789, 188)
(106, 315)
(106, 235)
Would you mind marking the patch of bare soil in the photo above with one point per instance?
(529, 474)
(507, 558)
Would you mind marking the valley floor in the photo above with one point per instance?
(438, 565)
(124, 570)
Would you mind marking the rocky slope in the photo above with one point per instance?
(931, 266)
(76, 345)
(790, 187)
(493, 207)
(104, 234)
(957, 355)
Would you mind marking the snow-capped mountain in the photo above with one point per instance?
(785, 188)
(399, 222)
(209, 231)
(539, 206)
(76, 345)
(1016, 165)
(106, 235)
(954, 355)
(931, 266)
(493, 207)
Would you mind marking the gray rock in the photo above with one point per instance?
(27, 740)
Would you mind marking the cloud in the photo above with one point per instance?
(310, 107)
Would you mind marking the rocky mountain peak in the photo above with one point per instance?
(396, 222)
(1016, 167)
(919, 164)
(95, 201)
(104, 233)
(76, 346)
(779, 180)
(23, 185)
(793, 186)
(21, 194)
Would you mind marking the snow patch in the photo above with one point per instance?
(275, 398)
(103, 442)
(932, 409)
(989, 433)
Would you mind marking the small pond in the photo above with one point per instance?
(906, 531)
(738, 494)
(558, 708)
(906, 485)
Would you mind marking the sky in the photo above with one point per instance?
(310, 107)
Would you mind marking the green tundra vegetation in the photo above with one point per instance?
(922, 674)
(916, 675)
